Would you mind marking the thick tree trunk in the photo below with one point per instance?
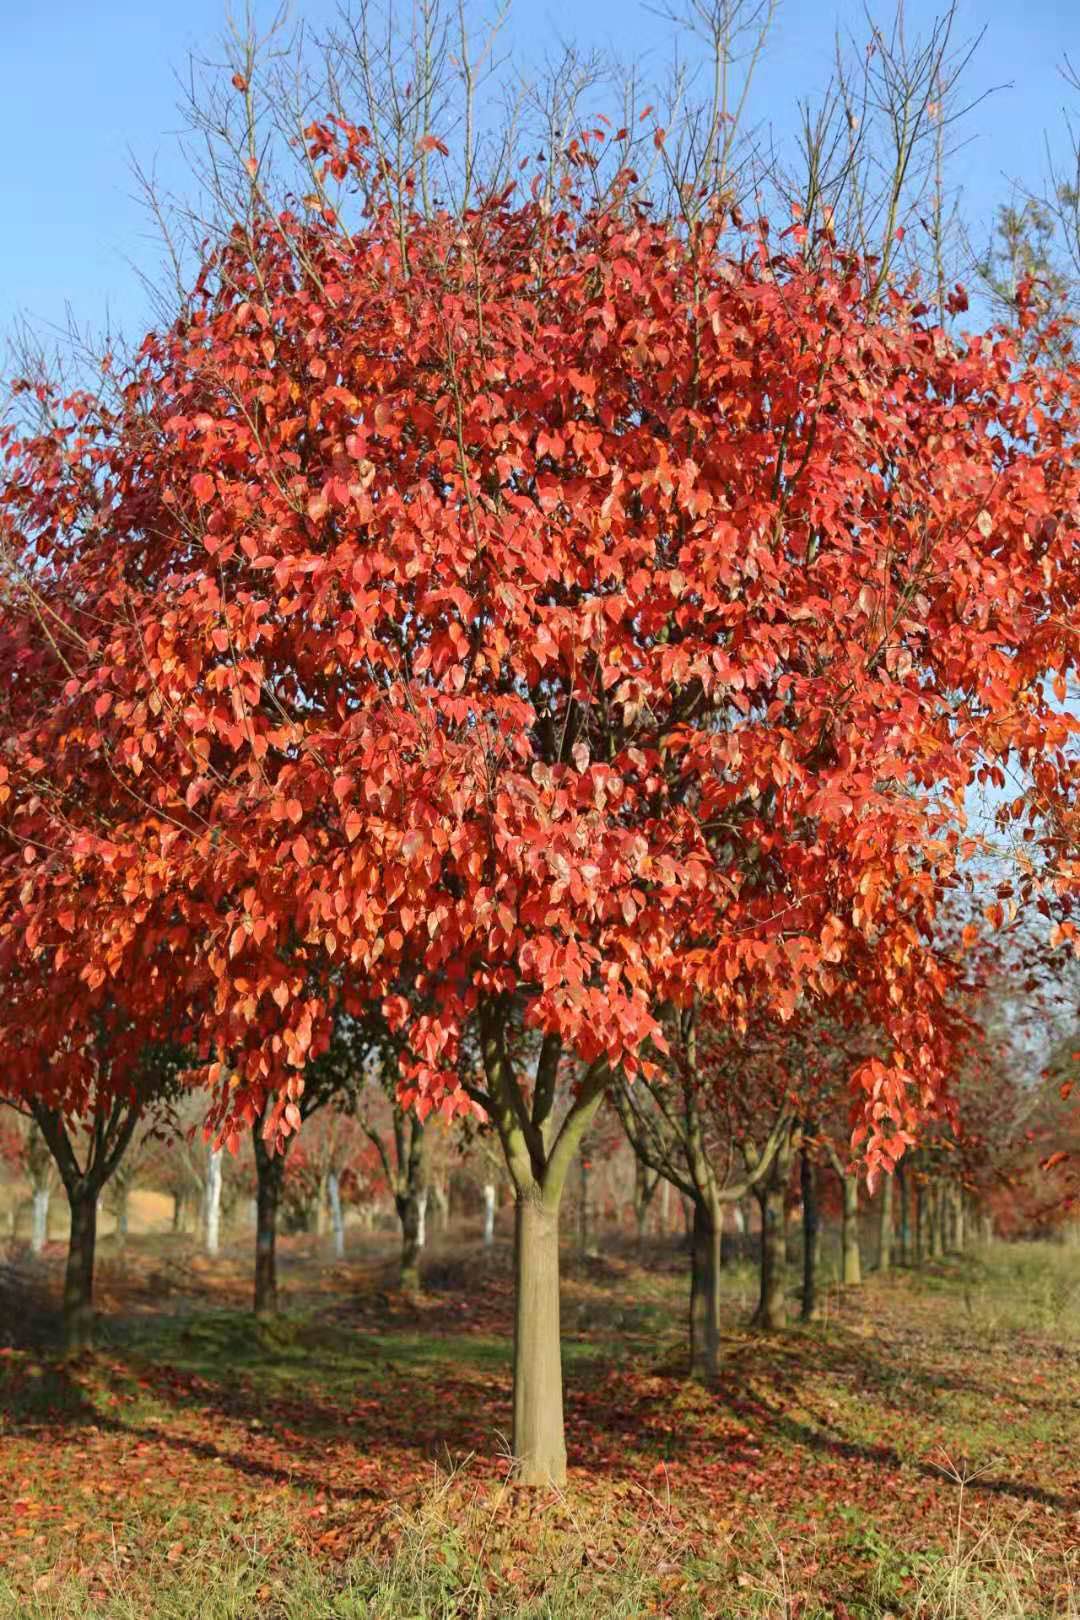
(213, 1203)
(337, 1219)
(539, 1444)
(811, 1234)
(269, 1170)
(78, 1308)
(885, 1230)
(771, 1313)
(410, 1213)
(704, 1291)
(849, 1233)
(489, 1214)
(39, 1230)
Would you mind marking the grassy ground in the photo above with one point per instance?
(916, 1453)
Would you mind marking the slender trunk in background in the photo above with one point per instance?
(78, 1307)
(213, 1202)
(440, 1195)
(321, 1205)
(178, 1212)
(704, 1291)
(489, 1214)
(585, 1246)
(421, 1225)
(905, 1233)
(852, 1259)
(885, 1243)
(771, 1313)
(811, 1230)
(539, 1443)
(337, 1219)
(933, 1220)
(39, 1230)
(269, 1170)
(945, 1217)
(959, 1225)
(918, 1192)
(643, 1195)
(122, 1194)
(665, 1207)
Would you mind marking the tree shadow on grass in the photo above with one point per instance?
(631, 1417)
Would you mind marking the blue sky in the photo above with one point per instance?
(84, 86)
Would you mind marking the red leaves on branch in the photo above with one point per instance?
(539, 602)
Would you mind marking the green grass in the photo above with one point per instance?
(915, 1454)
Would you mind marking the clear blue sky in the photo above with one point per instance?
(82, 86)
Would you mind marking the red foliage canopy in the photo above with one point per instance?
(538, 603)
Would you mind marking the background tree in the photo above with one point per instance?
(87, 1147)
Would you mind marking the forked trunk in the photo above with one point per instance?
(705, 1291)
(885, 1244)
(811, 1233)
(78, 1310)
(852, 1259)
(539, 1443)
(771, 1313)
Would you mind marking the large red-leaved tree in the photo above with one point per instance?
(561, 614)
